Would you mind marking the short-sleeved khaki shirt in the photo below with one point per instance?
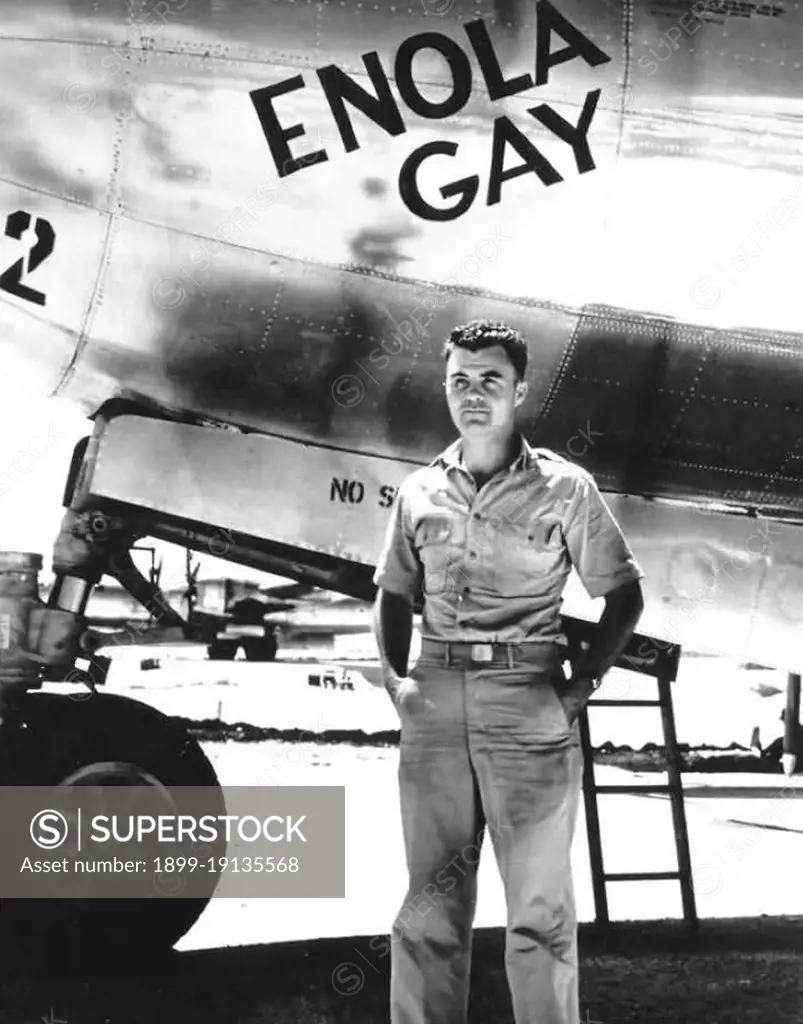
(493, 564)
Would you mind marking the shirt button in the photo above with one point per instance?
(472, 554)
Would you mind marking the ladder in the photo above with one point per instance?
(646, 656)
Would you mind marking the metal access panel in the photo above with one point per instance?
(304, 496)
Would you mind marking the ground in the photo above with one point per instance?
(732, 972)
(263, 961)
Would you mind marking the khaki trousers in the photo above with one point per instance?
(487, 748)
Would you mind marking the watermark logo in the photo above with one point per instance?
(48, 829)
(706, 291)
(348, 979)
(437, 7)
(79, 97)
(348, 390)
(169, 293)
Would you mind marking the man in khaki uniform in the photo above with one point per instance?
(489, 532)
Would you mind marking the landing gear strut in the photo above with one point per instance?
(89, 739)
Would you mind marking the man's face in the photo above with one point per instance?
(482, 392)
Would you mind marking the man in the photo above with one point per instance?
(489, 738)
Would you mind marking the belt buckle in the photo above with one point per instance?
(482, 652)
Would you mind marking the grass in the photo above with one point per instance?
(730, 972)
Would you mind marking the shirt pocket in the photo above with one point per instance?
(529, 557)
(437, 541)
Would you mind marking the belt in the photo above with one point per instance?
(452, 652)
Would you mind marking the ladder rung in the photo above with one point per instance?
(624, 703)
(672, 788)
(657, 788)
(646, 876)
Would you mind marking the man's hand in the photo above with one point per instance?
(623, 606)
(576, 694)
(405, 694)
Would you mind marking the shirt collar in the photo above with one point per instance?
(452, 457)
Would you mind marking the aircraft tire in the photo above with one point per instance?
(222, 650)
(102, 740)
(261, 649)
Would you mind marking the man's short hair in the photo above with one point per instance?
(480, 334)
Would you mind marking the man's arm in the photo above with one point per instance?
(393, 628)
(623, 608)
(607, 568)
(398, 577)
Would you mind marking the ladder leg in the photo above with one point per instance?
(592, 823)
(677, 801)
(791, 723)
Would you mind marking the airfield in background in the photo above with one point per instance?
(746, 829)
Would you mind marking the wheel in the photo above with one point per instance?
(103, 740)
(261, 648)
(222, 650)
